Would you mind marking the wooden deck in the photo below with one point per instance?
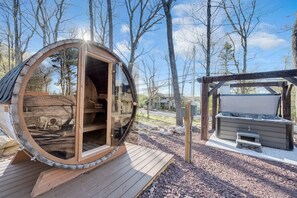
(125, 176)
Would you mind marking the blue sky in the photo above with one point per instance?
(269, 43)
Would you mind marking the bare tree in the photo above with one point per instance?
(143, 15)
(167, 6)
(243, 20)
(188, 60)
(294, 54)
(149, 77)
(17, 54)
(49, 19)
(186, 68)
(208, 33)
(110, 25)
(166, 58)
(203, 14)
(19, 36)
(73, 33)
(101, 22)
(9, 41)
(91, 19)
(294, 43)
(58, 15)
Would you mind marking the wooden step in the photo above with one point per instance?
(94, 127)
(98, 110)
(247, 134)
(246, 142)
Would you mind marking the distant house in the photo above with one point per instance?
(163, 101)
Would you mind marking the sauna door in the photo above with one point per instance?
(95, 111)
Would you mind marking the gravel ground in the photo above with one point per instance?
(215, 172)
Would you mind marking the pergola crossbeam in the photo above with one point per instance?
(215, 88)
(270, 90)
(260, 84)
(291, 80)
(250, 76)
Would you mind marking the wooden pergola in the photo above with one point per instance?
(215, 82)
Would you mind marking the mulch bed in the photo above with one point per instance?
(215, 172)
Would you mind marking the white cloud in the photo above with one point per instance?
(123, 47)
(182, 21)
(265, 40)
(185, 37)
(189, 35)
(260, 39)
(125, 28)
(190, 30)
(180, 9)
(265, 27)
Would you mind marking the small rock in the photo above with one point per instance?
(171, 131)
(195, 129)
(1, 151)
(10, 150)
(180, 130)
(165, 132)
(171, 128)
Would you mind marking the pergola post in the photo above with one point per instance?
(214, 109)
(204, 109)
(286, 102)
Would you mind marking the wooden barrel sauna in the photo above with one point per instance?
(70, 105)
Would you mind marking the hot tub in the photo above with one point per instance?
(274, 131)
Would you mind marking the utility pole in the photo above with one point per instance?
(193, 75)
(287, 61)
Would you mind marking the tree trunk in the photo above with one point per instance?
(244, 69)
(294, 54)
(110, 25)
(44, 42)
(148, 109)
(294, 43)
(208, 33)
(132, 60)
(11, 52)
(91, 19)
(16, 7)
(175, 84)
(8, 47)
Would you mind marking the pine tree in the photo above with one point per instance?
(226, 56)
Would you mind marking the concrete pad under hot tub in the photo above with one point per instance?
(279, 155)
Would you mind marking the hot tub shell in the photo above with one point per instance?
(274, 131)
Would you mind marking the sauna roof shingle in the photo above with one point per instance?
(8, 81)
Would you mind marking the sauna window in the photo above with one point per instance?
(50, 103)
(122, 103)
(95, 104)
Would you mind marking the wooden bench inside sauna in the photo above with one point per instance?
(70, 105)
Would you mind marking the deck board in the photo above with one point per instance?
(124, 176)
(121, 177)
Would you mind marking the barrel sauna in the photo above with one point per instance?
(70, 105)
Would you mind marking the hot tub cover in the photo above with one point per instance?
(263, 104)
